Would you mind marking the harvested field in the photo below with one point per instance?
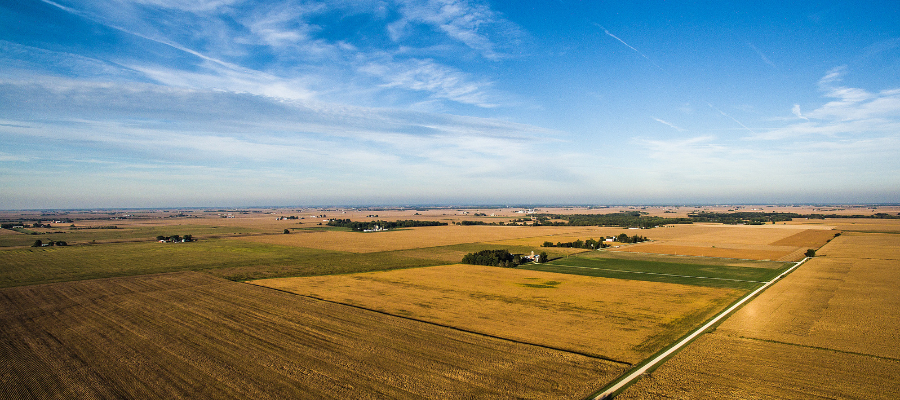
(189, 335)
(841, 301)
(722, 367)
(411, 238)
(754, 242)
(856, 224)
(636, 318)
(828, 330)
(811, 238)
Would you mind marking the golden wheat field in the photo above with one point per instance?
(828, 330)
(618, 319)
(189, 335)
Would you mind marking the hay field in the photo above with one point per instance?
(828, 330)
(189, 335)
(412, 238)
(619, 319)
(753, 242)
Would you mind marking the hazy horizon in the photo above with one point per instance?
(165, 104)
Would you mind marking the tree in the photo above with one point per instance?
(37, 243)
(160, 237)
(542, 258)
(811, 253)
(286, 231)
(188, 238)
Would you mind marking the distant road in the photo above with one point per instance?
(610, 391)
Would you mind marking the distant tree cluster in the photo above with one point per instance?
(499, 258)
(597, 244)
(175, 238)
(362, 226)
(740, 218)
(578, 244)
(40, 243)
(624, 238)
(631, 219)
(469, 223)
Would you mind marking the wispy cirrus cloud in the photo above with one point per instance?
(438, 80)
(627, 45)
(669, 124)
(761, 55)
(280, 49)
(469, 22)
(853, 113)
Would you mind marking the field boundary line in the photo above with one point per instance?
(620, 384)
(815, 347)
(473, 332)
(657, 273)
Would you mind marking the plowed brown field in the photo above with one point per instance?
(619, 319)
(189, 335)
(828, 330)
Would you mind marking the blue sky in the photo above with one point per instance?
(158, 103)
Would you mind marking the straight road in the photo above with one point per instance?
(610, 391)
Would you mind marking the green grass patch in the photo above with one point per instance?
(724, 276)
(130, 234)
(543, 285)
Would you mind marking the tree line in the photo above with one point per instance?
(596, 244)
(175, 238)
(362, 226)
(500, 258)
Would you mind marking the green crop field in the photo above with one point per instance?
(226, 258)
(699, 274)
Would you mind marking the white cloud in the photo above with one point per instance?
(469, 22)
(855, 113)
(438, 80)
(796, 112)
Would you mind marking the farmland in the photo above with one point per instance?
(746, 275)
(190, 335)
(767, 242)
(826, 331)
(322, 312)
(636, 317)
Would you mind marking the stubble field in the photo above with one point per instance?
(189, 335)
(619, 319)
(828, 330)
(764, 242)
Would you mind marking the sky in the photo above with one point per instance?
(164, 103)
